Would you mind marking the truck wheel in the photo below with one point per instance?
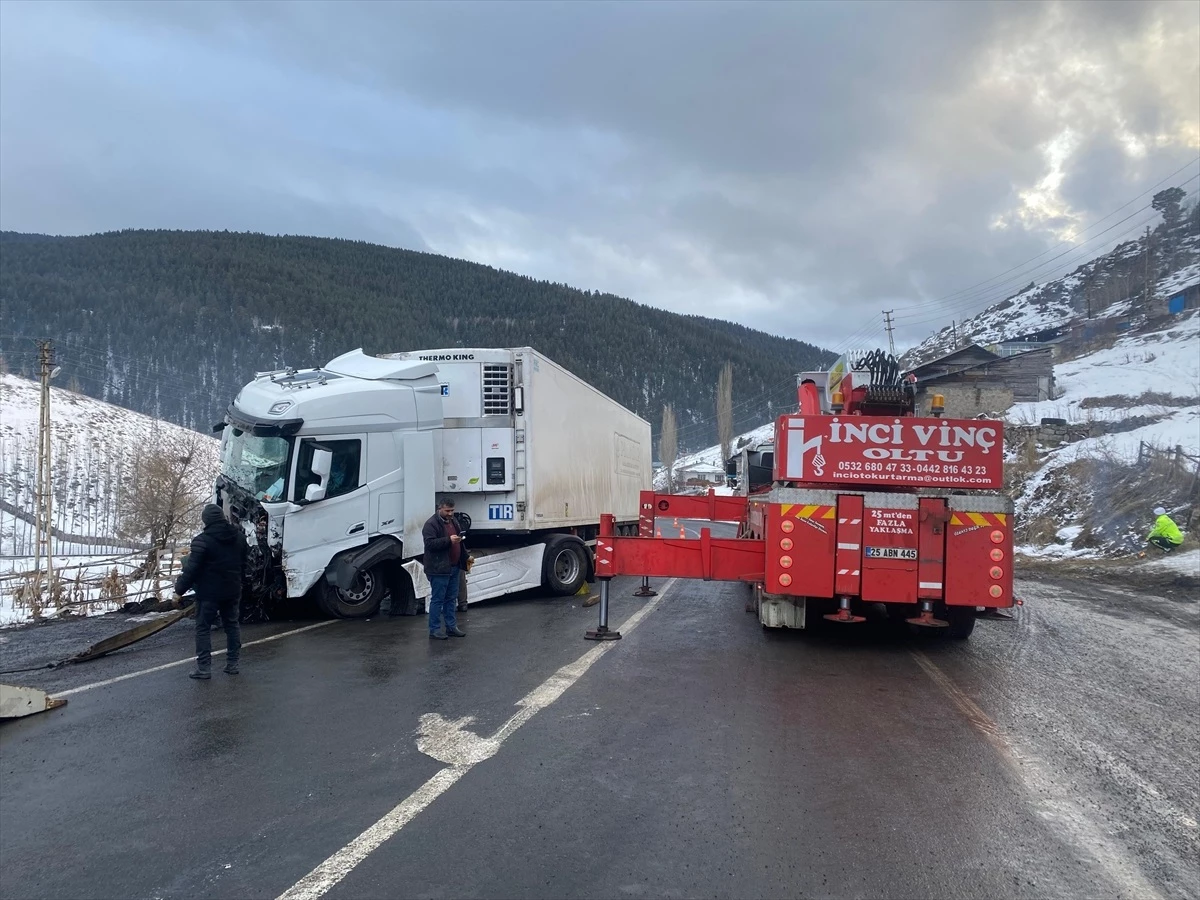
(564, 567)
(361, 601)
(400, 582)
(962, 621)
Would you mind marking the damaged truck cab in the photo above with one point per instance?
(332, 472)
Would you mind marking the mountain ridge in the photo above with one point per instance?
(126, 309)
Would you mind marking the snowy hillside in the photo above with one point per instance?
(95, 446)
(1141, 375)
(1094, 496)
(1105, 287)
(711, 456)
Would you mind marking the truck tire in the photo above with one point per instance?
(962, 622)
(360, 602)
(401, 583)
(564, 566)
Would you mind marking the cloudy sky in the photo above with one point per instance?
(797, 167)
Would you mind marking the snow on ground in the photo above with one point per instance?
(83, 591)
(1177, 281)
(1148, 383)
(93, 452)
(1165, 362)
(94, 445)
(711, 456)
(1185, 563)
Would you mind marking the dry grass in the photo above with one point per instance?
(1149, 398)
(1039, 530)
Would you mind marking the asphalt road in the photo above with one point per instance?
(1050, 756)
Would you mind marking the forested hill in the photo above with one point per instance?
(173, 323)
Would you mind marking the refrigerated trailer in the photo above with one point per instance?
(333, 470)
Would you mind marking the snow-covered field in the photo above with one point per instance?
(1116, 384)
(1165, 362)
(94, 450)
(88, 587)
(1150, 381)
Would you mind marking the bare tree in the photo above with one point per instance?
(725, 411)
(163, 502)
(668, 445)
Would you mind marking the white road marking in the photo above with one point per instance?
(1051, 799)
(183, 662)
(449, 742)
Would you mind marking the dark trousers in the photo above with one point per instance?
(443, 600)
(1163, 544)
(206, 615)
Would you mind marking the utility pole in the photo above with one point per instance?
(45, 495)
(954, 332)
(1147, 301)
(887, 323)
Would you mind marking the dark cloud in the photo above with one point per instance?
(793, 166)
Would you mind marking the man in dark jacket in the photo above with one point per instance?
(215, 567)
(444, 556)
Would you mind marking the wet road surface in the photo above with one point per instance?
(1054, 755)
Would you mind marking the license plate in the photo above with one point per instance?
(892, 552)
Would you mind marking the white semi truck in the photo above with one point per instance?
(333, 470)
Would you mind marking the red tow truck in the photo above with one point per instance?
(870, 504)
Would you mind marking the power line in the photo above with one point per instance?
(1087, 228)
(1078, 257)
(1078, 252)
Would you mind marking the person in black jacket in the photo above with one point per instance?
(215, 567)
(444, 556)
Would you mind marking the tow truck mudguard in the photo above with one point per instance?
(345, 568)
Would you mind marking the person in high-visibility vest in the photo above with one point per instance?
(1165, 535)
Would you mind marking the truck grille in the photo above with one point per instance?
(497, 389)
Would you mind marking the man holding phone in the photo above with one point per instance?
(444, 556)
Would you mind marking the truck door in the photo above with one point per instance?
(318, 531)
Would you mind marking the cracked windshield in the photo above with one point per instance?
(258, 464)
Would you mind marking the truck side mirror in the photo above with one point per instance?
(322, 462)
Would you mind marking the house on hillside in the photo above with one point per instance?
(975, 380)
(700, 474)
(1182, 299)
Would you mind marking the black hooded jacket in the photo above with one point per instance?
(216, 564)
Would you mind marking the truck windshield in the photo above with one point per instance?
(258, 464)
